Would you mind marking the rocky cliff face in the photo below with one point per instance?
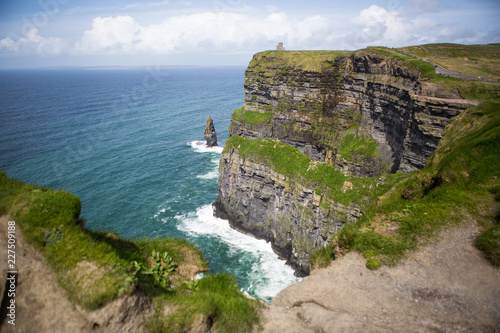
(362, 113)
(260, 201)
(360, 98)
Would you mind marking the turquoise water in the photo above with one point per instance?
(129, 144)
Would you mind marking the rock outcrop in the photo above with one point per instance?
(358, 98)
(269, 205)
(210, 134)
(362, 113)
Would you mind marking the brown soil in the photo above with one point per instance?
(444, 287)
(42, 306)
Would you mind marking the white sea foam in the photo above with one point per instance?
(210, 175)
(201, 147)
(269, 274)
(163, 210)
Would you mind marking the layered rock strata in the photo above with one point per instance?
(269, 205)
(363, 113)
(362, 95)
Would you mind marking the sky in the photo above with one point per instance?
(54, 33)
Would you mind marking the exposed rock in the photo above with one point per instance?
(268, 205)
(407, 194)
(126, 314)
(444, 287)
(210, 134)
(360, 112)
(362, 94)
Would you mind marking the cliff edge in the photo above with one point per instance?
(381, 173)
(323, 134)
(445, 287)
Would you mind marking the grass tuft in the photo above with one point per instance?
(489, 243)
(251, 117)
(323, 257)
(96, 267)
(217, 304)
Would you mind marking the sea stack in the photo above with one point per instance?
(210, 134)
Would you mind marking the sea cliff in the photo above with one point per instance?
(355, 119)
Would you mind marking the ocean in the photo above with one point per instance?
(129, 144)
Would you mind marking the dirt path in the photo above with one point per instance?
(445, 287)
(41, 305)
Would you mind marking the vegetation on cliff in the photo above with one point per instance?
(327, 181)
(96, 267)
(305, 60)
(312, 106)
(459, 184)
(475, 60)
(474, 90)
(251, 117)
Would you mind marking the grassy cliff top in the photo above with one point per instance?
(97, 267)
(305, 60)
(475, 60)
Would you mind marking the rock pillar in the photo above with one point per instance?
(210, 134)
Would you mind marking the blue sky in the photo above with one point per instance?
(46, 33)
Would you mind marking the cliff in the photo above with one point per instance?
(353, 117)
(363, 112)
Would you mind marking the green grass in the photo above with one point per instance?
(273, 65)
(475, 60)
(474, 90)
(329, 181)
(96, 267)
(489, 243)
(251, 117)
(350, 144)
(323, 257)
(216, 300)
(288, 60)
(456, 186)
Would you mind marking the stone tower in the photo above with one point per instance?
(280, 47)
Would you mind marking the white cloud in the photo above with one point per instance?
(112, 35)
(377, 26)
(32, 45)
(232, 29)
(199, 32)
